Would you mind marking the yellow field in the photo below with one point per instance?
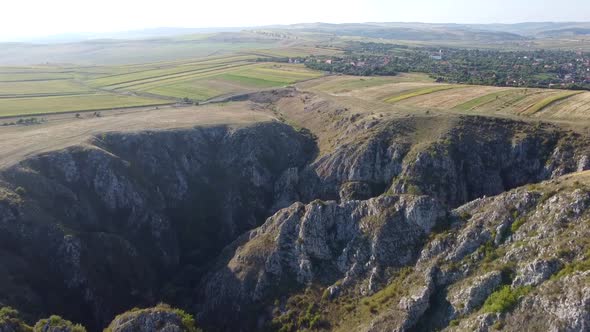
(448, 98)
(419, 92)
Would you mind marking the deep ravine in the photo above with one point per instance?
(253, 228)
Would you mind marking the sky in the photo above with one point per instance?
(35, 18)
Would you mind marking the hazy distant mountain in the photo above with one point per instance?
(134, 34)
(386, 30)
(406, 31)
(537, 29)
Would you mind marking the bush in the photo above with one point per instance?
(7, 313)
(56, 323)
(20, 191)
(516, 224)
(504, 299)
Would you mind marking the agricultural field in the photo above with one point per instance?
(344, 84)
(56, 104)
(419, 92)
(49, 89)
(411, 93)
(41, 88)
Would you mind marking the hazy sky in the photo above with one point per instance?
(22, 18)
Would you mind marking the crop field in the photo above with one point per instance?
(574, 107)
(219, 81)
(344, 84)
(548, 101)
(44, 105)
(447, 97)
(48, 89)
(41, 88)
(419, 92)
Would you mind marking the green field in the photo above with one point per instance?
(211, 83)
(44, 105)
(61, 88)
(37, 88)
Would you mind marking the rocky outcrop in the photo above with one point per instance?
(11, 322)
(388, 224)
(92, 230)
(158, 319)
(161, 318)
(57, 324)
(352, 241)
(473, 157)
(558, 305)
(470, 295)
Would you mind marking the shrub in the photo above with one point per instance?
(20, 191)
(516, 224)
(57, 323)
(574, 267)
(8, 312)
(414, 190)
(504, 299)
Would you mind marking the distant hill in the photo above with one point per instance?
(407, 31)
(129, 35)
(539, 29)
(567, 32)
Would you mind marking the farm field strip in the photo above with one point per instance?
(479, 101)
(150, 74)
(208, 74)
(44, 105)
(447, 99)
(510, 101)
(233, 81)
(351, 84)
(296, 51)
(549, 101)
(161, 70)
(139, 84)
(419, 92)
(574, 107)
(41, 88)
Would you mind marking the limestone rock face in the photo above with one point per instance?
(157, 319)
(304, 243)
(473, 157)
(467, 299)
(105, 224)
(394, 224)
(559, 305)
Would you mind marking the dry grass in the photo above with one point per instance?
(450, 98)
(419, 92)
(548, 101)
(18, 142)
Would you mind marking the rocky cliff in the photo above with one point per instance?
(325, 220)
(131, 218)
